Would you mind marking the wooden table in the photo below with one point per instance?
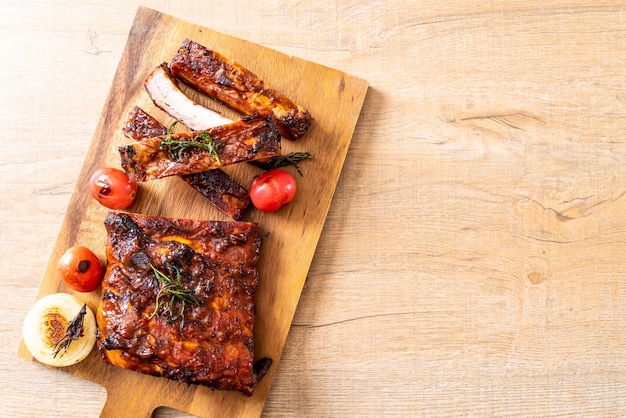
(472, 262)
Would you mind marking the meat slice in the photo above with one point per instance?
(225, 193)
(227, 81)
(165, 93)
(248, 139)
(207, 342)
(140, 125)
(217, 186)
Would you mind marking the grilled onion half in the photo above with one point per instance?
(57, 331)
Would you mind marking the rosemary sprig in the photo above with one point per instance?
(174, 289)
(293, 158)
(177, 147)
(73, 332)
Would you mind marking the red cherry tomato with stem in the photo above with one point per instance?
(112, 188)
(272, 190)
(81, 269)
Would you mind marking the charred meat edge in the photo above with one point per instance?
(247, 139)
(140, 125)
(225, 80)
(216, 185)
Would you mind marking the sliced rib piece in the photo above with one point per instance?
(140, 125)
(165, 93)
(207, 342)
(237, 87)
(218, 187)
(225, 193)
(248, 139)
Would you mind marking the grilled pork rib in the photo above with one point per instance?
(211, 342)
(222, 190)
(140, 125)
(248, 139)
(225, 193)
(237, 87)
(165, 93)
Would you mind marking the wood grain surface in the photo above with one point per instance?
(471, 263)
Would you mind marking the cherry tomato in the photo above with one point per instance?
(272, 190)
(112, 188)
(81, 269)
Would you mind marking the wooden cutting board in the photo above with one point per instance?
(334, 99)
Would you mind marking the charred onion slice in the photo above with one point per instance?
(47, 323)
